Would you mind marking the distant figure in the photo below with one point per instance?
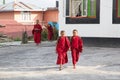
(62, 47)
(50, 32)
(79, 11)
(37, 32)
(76, 47)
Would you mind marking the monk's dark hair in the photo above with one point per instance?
(62, 31)
(37, 21)
(75, 30)
(50, 24)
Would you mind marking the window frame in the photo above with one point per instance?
(116, 18)
(25, 15)
(83, 20)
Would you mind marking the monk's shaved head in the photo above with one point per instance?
(37, 21)
(62, 33)
(75, 32)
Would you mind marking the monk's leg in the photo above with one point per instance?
(35, 38)
(60, 60)
(48, 36)
(38, 38)
(77, 55)
(65, 58)
(60, 67)
(74, 58)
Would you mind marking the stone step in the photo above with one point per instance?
(3, 36)
(5, 40)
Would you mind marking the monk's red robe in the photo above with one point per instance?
(37, 33)
(62, 47)
(76, 48)
(50, 33)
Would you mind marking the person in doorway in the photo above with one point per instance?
(76, 47)
(79, 11)
(62, 47)
(37, 32)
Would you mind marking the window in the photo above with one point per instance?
(84, 8)
(26, 15)
(76, 8)
(116, 11)
(82, 11)
(92, 8)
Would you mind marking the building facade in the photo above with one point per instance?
(92, 18)
(18, 16)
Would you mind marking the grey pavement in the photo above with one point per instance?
(30, 62)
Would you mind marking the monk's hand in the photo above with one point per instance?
(81, 50)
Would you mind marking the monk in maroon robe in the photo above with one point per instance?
(76, 47)
(37, 32)
(50, 32)
(62, 47)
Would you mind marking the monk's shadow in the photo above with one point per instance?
(44, 68)
(38, 68)
(47, 68)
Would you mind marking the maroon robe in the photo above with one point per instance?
(37, 33)
(76, 48)
(62, 47)
(50, 33)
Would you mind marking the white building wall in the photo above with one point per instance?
(104, 29)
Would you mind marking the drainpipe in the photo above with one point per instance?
(43, 14)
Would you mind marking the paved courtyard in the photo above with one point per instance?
(31, 62)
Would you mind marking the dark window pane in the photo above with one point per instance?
(116, 12)
(67, 7)
(118, 7)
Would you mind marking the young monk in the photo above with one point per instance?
(76, 47)
(50, 32)
(62, 47)
(37, 32)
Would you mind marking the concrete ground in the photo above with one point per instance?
(31, 62)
